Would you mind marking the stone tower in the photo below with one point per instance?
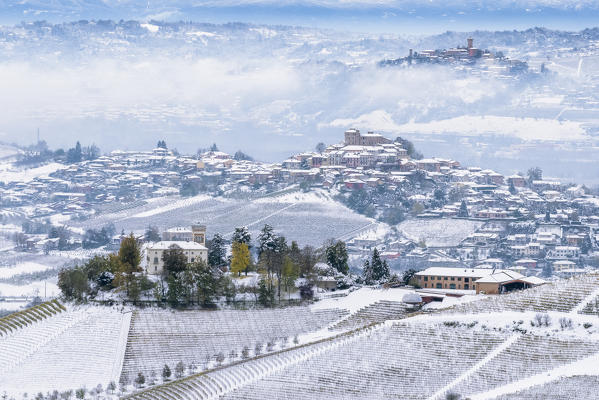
(352, 137)
(199, 233)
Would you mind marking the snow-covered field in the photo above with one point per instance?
(438, 232)
(361, 298)
(27, 175)
(199, 337)
(82, 347)
(22, 268)
(24, 274)
(490, 354)
(377, 232)
(40, 288)
(308, 218)
(182, 203)
(494, 353)
(8, 151)
(12, 306)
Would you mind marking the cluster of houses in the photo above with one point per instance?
(549, 248)
(528, 222)
(485, 60)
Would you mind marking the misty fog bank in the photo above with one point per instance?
(273, 91)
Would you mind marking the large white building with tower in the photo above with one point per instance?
(192, 242)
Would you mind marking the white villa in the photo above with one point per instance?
(194, 250)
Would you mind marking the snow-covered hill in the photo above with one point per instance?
(500, 353)
(349, 347)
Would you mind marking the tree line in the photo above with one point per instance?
(279, 263)
(40, 153)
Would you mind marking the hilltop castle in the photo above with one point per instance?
(354, 137)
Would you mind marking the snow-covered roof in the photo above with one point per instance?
(501, 277)
(165, 244)
(533, 280)
(462, 272)
(564, 262)
(525, 261)
(179, 229)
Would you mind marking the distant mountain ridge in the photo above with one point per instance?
(65, 10)
(136, 31)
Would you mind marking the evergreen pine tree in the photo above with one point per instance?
(266, 239)
(152, 234)
(385, 271)
(129, 253)
(266, 294)
(295, 253)
(547, 270)
(78, 152)
(463, 212)
(74, 154)
(377, 265)
(166, 372)
(586, 245)
(217, 251)
(337, 257)
(377, 270)
(242, 235)
(174, 260)
(140, 379)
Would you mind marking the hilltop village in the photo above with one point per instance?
(438, 213)
(485, 61)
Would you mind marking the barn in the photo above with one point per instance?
(506, 281)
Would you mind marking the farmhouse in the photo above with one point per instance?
(451, 278)
(483, 280)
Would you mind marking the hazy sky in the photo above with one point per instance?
(387, 19)
(396, 16)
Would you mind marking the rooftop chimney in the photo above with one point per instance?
(470, 43)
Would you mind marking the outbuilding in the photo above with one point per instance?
(506, 281)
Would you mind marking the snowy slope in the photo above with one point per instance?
(83, 350)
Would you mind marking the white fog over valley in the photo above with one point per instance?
(239, 84)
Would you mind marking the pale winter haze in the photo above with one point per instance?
(195, 84)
